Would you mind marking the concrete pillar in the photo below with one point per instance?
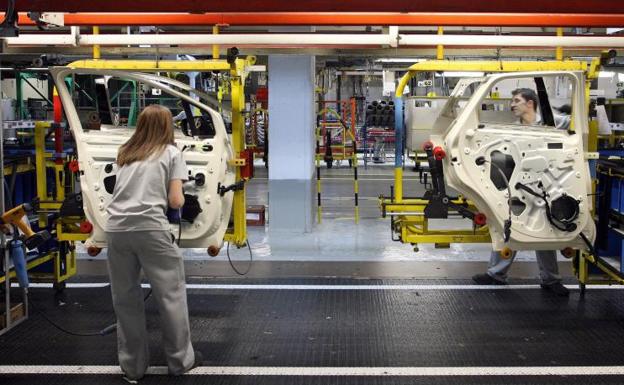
(291, 143)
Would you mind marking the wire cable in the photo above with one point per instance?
(57, 326)
(232, 264)
(107, 330)
(567, 226)
(179, 226)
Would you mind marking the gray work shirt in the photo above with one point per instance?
(139, 200)
(562, 122)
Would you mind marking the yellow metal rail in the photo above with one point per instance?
(153, 65)
(410, 223)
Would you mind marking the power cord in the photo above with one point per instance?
(103, 332)
(232, 264)
(179, 226)
(113, 327)
(57, 326)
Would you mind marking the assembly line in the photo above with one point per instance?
(368, 195)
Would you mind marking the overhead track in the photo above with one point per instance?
(342, 19)
(366, 40)
(194, 6)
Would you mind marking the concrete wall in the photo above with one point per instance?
(291, 143)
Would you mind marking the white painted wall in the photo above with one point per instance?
(291, 143)
(292, 114)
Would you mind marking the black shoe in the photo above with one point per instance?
(199, 361)
(486, 279)
(129, 380)
(557, 288)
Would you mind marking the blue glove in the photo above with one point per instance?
(173, 215)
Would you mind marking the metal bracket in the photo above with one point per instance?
(237, 162)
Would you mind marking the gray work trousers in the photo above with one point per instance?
(162, 264)
(546, 260)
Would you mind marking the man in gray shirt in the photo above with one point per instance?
(524, 106)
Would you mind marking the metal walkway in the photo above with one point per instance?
(340, 331)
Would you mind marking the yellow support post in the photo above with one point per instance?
(440, 47)
(559, 50)
(96, 47)
(215, 47)
(41, 167)
(398, 185)
(238, 143)
(59, 173)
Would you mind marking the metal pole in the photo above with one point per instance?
(398, 149)
(5, 255)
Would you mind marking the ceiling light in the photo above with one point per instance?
(606, 74)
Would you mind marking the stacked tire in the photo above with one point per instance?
(380, 114)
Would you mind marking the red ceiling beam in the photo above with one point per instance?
(200, 6)
(386, 18)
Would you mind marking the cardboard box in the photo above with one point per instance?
(256, 215)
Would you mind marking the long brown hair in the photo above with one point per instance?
(154, 131)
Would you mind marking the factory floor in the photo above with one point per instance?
(337, 331)
(343, 304)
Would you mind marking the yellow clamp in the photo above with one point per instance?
(237, 162)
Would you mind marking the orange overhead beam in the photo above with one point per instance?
(200, 6)
(331, 18)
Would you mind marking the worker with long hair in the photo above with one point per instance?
(150, 173)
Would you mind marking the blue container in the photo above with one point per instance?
(615, 248)
(615, 195)
(16, 251)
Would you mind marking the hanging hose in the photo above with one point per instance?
(232, 264)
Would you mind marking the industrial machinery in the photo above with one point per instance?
(206, 148)
(42, 164)
(523, 187)
(336, 140)
(336, 131)
(17, 217)
(532, 182)
(218, 164)
(471, 141)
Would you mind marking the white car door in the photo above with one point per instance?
(207, 159)
(544, 195)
